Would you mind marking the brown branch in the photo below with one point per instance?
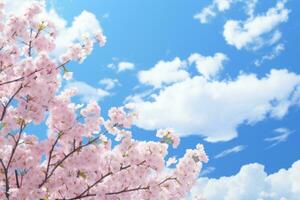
(83, 194)
(6, 179)
(86, 193)
(3, 68)
(21, 78)
(6, 168)
(168, 179)
(32, 73)
(9, 101)
(30, 44)
(22, 126)
(63, 64)
(48, 175)
(125, 190)
(51, 152)
(17, 179)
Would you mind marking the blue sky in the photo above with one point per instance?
(223, 73)
(146, 32)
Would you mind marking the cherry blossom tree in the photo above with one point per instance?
(84, 155)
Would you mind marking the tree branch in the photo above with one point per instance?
(6, 179)
(85, 193)
(35, 71)
(17, 179)
(48, 175)
(6, 168)
(125, 190)
(9, 101)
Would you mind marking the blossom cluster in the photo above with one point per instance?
(168, 136)
(78, 159)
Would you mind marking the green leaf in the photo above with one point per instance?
(2, 125)
(65, 69)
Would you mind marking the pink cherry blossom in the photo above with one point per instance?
(168, 136)
(84, 156)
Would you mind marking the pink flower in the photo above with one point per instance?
(168, 137)
(77, 156)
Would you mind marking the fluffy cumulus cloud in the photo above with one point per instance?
(252, 183)
(208, 66)
(164, 72)
(215, 108)
(83, 25)
(258, 30)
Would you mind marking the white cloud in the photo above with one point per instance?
(205, 15)
(232, 150)
(86, 92)
(168, 72)
(207, 171)
(276, 51)
(85, 23)
(164, 72)
(209, 11)
(208, 66)
(17, 7)
(105, 16)
(223, 4)
(215, 109)
(120, 66)
(250, 7)
(252, 183)
(110, 66)
(283, 135)
(109, 83)
(256, 31)
(123, 66)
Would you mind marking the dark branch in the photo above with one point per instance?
(9, 101)
(59, 163)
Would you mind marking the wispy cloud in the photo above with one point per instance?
(233, 150)
(207, 171)
(219, 6)
(276, 51)
(211, 10)
(282, 136)
(121, 66)
(105, 16)
(109, 83)
(87, 92)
